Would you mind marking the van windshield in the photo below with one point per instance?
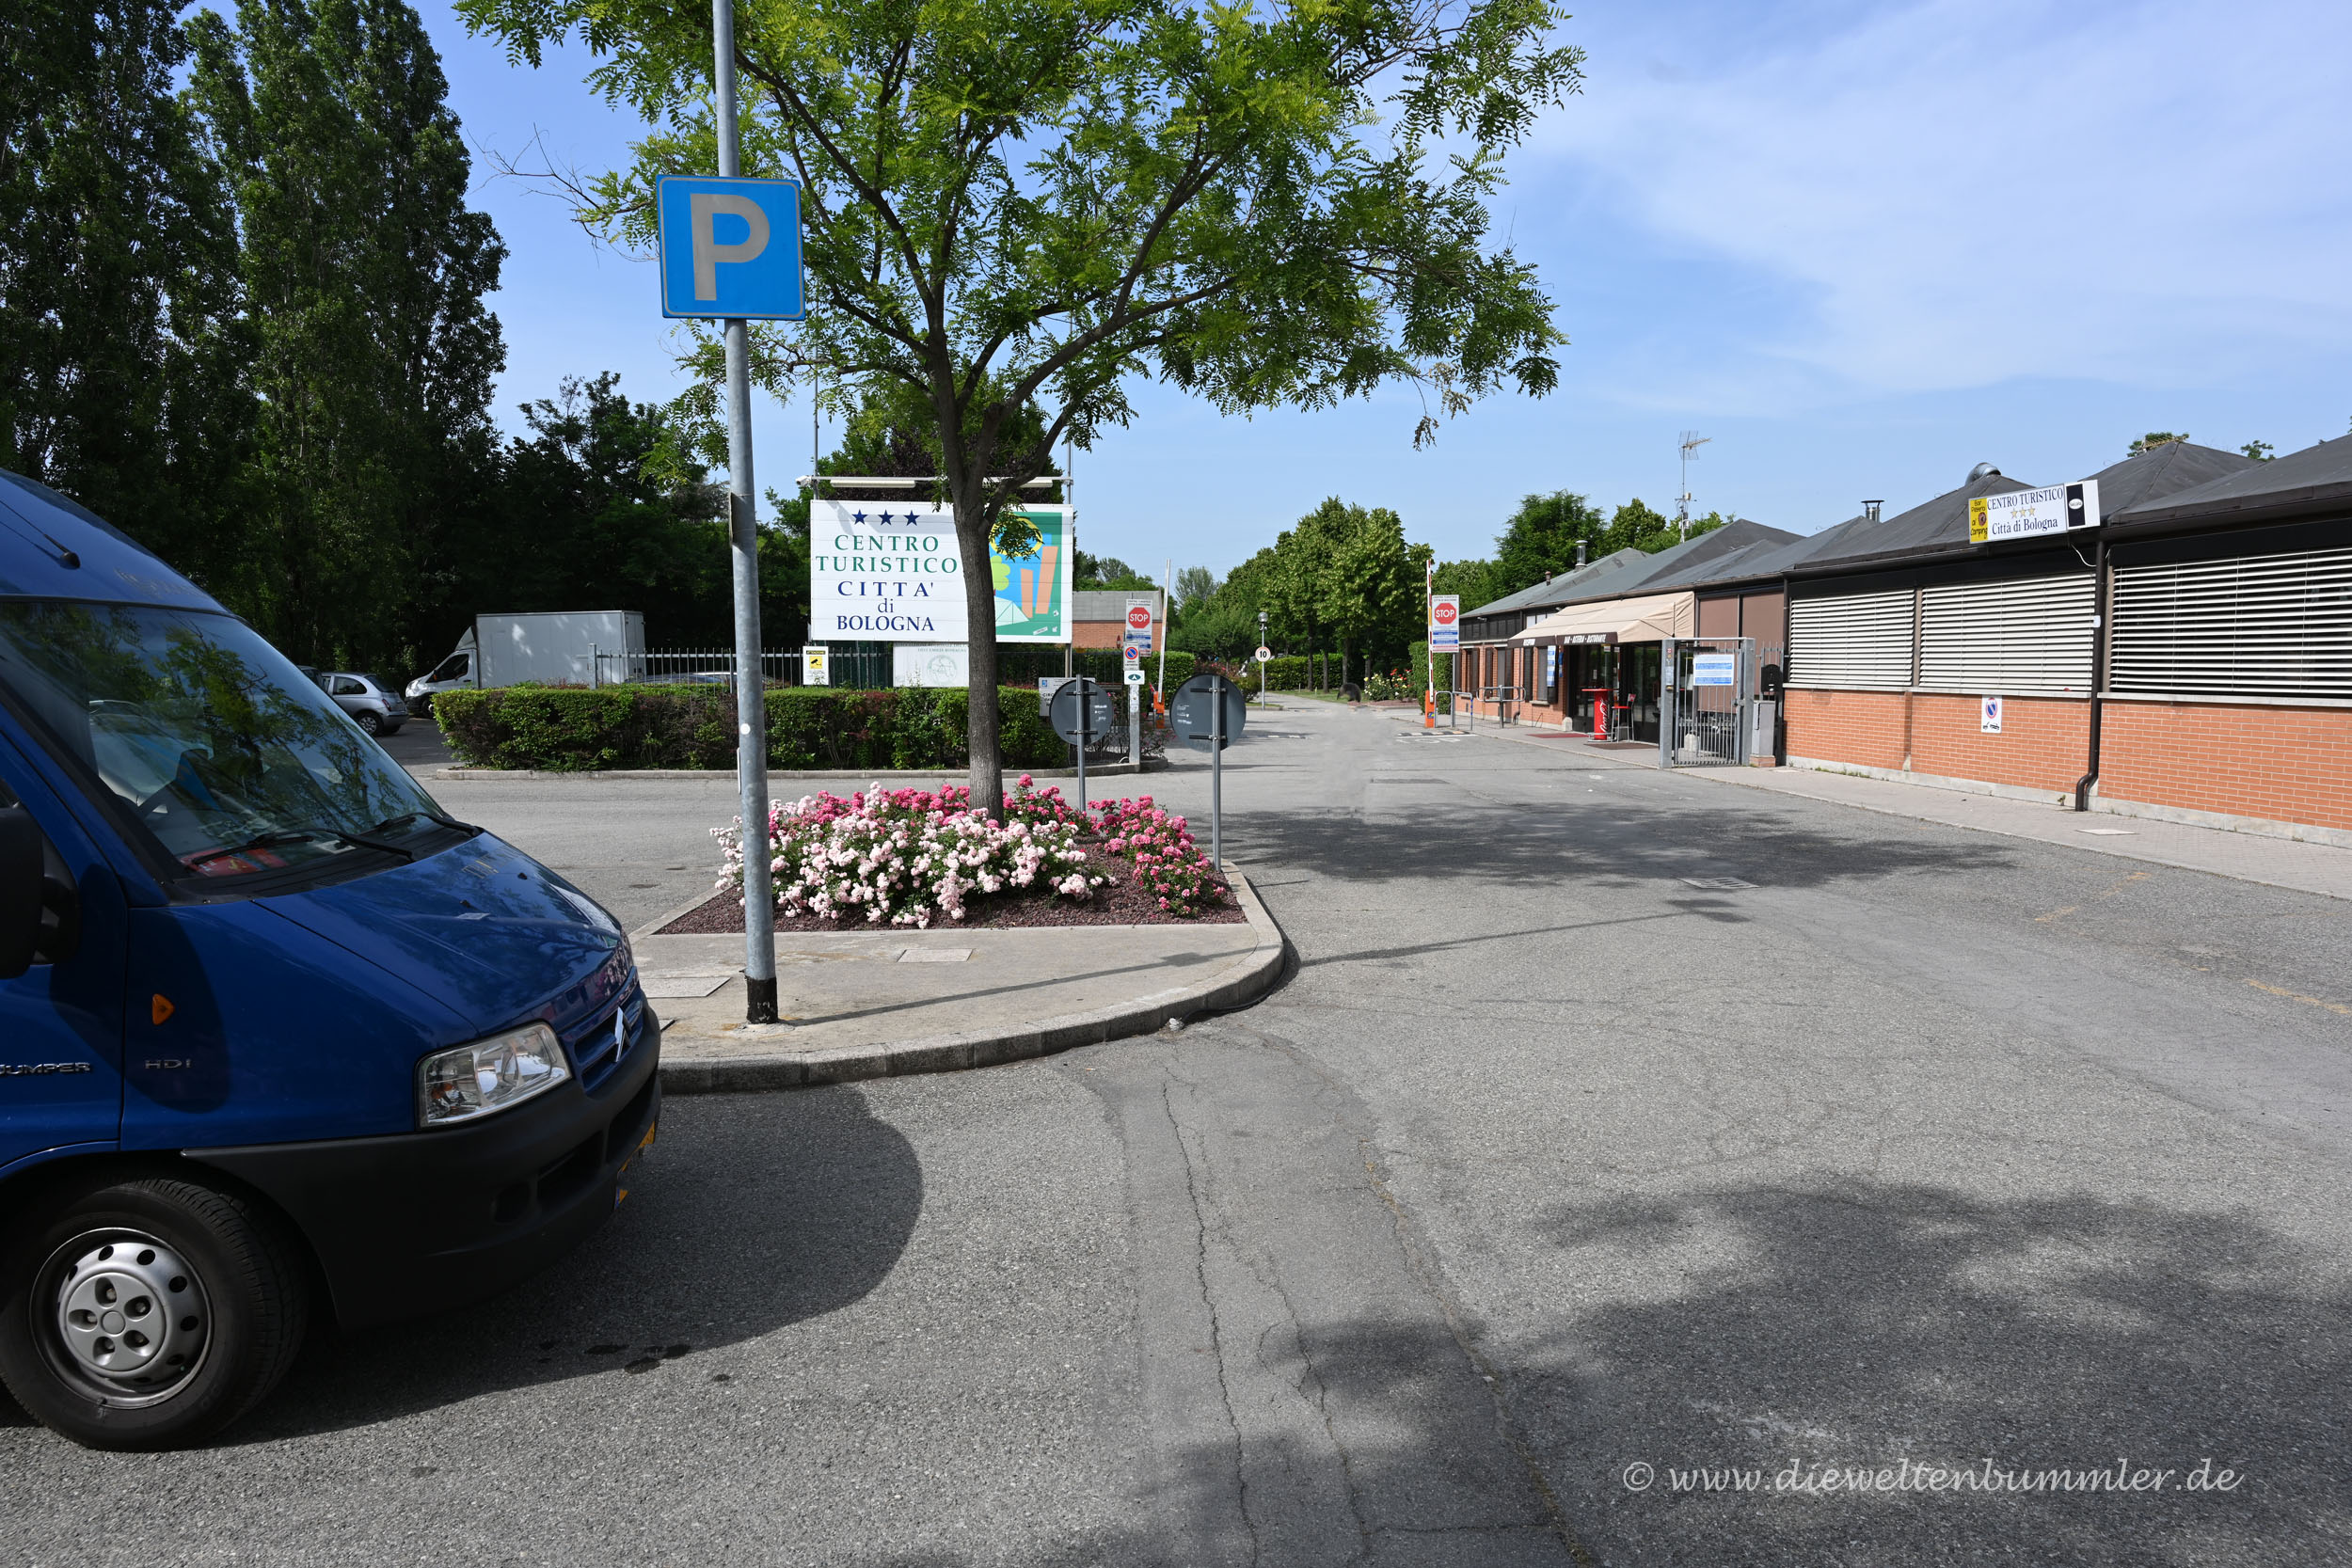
(220, 751)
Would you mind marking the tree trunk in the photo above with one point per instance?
(982, 730)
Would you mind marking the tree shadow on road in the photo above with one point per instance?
(1548, 842)
(1860, 1324)
(779, 1208)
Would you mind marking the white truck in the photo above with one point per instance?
(553, 648)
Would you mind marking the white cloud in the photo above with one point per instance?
(1962, 192)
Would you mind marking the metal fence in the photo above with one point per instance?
(690, 667)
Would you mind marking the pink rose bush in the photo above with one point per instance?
(1167, 865)
(905, 857)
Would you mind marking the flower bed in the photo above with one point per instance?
(914, 857)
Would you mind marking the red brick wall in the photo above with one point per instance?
(2044, 742)
(2042, 745)
(2281, 764)
(1106, 634)
(1865, 728)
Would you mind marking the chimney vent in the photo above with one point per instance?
(1871, 510)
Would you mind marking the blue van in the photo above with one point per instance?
(279, 1038)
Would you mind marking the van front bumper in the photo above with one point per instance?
(419, 1222)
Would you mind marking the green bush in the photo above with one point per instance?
(1022, 664)
(573, 729)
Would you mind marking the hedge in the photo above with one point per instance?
(1022, 664)
(575, 729)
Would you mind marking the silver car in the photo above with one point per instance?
(374, 704)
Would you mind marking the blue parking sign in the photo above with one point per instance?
(730, 247)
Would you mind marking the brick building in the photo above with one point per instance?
(2190, 656)
(1101, 616)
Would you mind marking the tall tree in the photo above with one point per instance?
(1541, 538)
(364, 273)
(121, 359)
(1029, 203)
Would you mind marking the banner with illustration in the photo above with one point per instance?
(889, 572)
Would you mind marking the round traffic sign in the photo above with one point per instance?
(1446, 613)
(1133, 653)
(1192, 712)
(1081, 711)
(1139, 617)
(1265, 653)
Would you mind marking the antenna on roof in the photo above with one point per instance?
(1692, 441)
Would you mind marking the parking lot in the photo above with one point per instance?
(1549, 1182)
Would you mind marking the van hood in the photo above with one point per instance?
(481, 925)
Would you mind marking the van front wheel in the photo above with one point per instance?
(149, 1314)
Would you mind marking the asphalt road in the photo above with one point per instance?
(1928, 1151)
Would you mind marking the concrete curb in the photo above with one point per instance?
(852, 775)
(754, 1074)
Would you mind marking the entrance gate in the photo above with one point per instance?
(1705, 699)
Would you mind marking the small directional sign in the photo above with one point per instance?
(730, 247)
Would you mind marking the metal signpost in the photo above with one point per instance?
(1209, 711)
(1081, 710)
(730, 250)
(1135, 642)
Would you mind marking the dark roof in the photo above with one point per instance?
(2314, 480)
(1940, 527)
(2164, 471)
(1559, 587)
(1704, 558)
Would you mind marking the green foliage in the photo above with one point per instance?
(2154, 438)
(574, 729)
(2260, 451)
(1107, 572)
(1029, 662)
(1031, 204)
(577, 518)
(122, 344)
(1541, 538)
(363, 274)
(1478, 582)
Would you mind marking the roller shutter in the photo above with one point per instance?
(2267, 625)
(2021, 635)
(1852, 641)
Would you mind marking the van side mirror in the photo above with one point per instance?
(21, 873)
(40, 914)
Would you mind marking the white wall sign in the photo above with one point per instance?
(1991, 722)
(2022, 514)
(929, 664)
(1713, 669)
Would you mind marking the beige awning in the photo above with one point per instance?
(1644, 620)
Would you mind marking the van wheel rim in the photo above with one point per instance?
(132, 1318)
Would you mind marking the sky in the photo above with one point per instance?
(1859, 246)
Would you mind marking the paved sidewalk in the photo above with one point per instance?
(2321, 868)
(873, 1003)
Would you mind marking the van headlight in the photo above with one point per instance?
(469, 1081)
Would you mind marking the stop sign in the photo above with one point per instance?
(1446, 613)
(1139, 617)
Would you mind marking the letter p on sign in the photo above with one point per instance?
(730, 247)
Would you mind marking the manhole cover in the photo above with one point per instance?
(1717, 884)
